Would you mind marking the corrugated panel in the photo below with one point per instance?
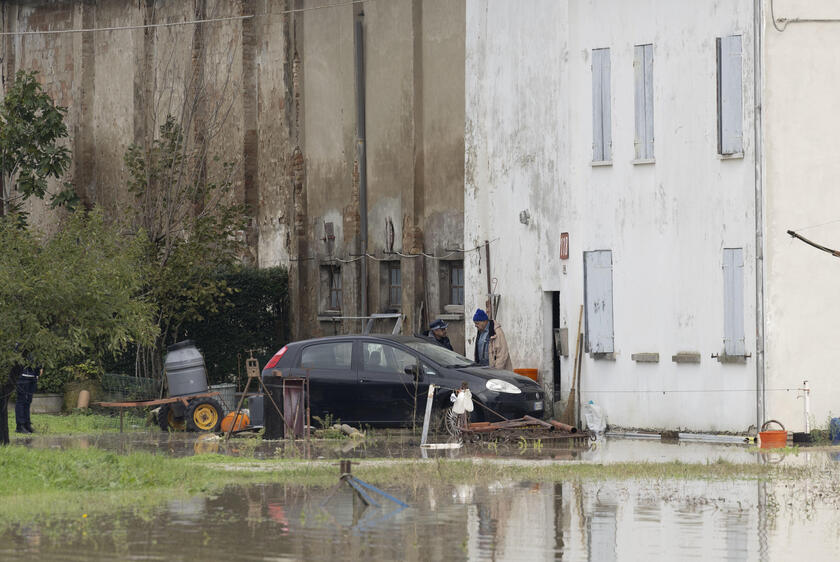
(599, 303)
(601, 121)
(733, 301)
(730, 112)
(643, 70)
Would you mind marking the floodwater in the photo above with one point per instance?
(603, 521)
(506, 520)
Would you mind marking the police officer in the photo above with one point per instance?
(27, 384)
(437, 329)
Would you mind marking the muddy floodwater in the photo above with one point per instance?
(665, 519)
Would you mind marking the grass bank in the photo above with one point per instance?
(80, 422)
(58, 483)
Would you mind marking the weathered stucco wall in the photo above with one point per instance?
(414, 137)
(274, 95)
(529, 147)
(800, 121)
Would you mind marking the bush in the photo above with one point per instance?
(55, 380)
(255, 317)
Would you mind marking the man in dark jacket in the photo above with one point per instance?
(437, 330)
(491, 346)
(27, 384)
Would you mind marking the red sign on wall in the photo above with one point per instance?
(564, 245)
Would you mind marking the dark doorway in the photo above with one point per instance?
(556, 351)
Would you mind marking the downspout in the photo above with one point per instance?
(760, 382)
(361, 157)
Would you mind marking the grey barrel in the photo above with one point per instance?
(185, 372)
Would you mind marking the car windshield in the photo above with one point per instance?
(440, 355)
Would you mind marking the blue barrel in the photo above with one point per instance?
(834, 430)
(256, 409)
(185, 372)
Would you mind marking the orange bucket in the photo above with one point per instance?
(532, 374)
(772, 439)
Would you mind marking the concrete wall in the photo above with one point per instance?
(529, 147)
(414, 53)
(274, 95)
(801, 80)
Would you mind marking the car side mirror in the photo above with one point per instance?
(412, 370)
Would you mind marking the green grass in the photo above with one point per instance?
(39, 484)
(80, 422)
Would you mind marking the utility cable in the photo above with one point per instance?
(177, 23)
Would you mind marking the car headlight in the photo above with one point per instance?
(498, 385)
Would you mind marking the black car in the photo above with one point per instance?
(384, 380)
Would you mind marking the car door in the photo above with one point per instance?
(332, 379)
(386, 389)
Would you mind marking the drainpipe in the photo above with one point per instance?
(361, 155)
(760, 382)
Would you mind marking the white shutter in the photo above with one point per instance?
(601, 122)
(643, 71)
(733, 301)
(648, 101)
(730, 110)
(598, 299)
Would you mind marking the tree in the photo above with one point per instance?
(31, 152)
(194, 229)
(74, 293)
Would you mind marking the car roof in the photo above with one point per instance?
(374, 337)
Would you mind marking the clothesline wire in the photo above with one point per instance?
(411, 255)
(177, 23)
(686, 391)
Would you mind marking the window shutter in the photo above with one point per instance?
(599, 301)
(601, 122)
(730, 111)
(733, 301)
(643, 71)
(648, 101)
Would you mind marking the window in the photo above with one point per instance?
(330, 288)
(386, 358)
(597, 282)
(643, 69)
(730, 113)
(733, 301)
(601, 122)
(333, 355)
(394, 285)
(456, 283)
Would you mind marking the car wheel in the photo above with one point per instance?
(204, 414)
(169, 420)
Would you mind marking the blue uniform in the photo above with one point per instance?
(27, 384)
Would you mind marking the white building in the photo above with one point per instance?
(631, 126)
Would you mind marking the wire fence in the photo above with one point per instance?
(128, 388)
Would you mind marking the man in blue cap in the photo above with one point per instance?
(491, 346)
(437, 329)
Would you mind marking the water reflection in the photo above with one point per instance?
(603, 521)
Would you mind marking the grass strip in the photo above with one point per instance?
(80, 422)
(35, 484)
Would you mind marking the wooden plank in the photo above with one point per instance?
(170, 400)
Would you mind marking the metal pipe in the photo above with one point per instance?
(361, 155)
(758, 151)
(806, 395)
(490, 312)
